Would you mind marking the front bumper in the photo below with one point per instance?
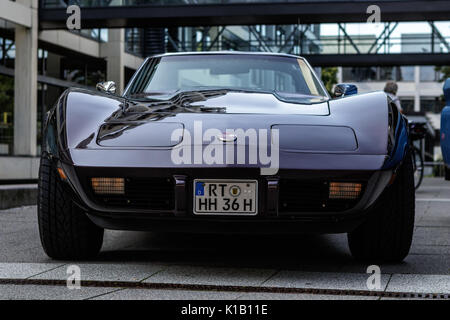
(271, 218)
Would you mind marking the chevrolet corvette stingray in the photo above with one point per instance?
(226, 142)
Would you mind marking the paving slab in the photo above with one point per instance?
(295, 296)
(419, 249)
(26, 254)
(211, 276)
(394, 298)
(23, 214)
(150, 294)
(435, 236)
(323, 280)
(24, 270)
(419, 283)
(106, 272)
(36, 292)
(14, 228)
(436, 217)
(413, 264)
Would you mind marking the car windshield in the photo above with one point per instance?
(258, 73)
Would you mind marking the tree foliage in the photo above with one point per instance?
(6, 94)
(329, 77)
(445, 71)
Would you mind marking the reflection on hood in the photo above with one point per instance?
(156, 109)
(134, 114)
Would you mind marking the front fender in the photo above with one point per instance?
(400, 144)
(54, 142)
(74, 119)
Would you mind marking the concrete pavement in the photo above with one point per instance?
(141, 265)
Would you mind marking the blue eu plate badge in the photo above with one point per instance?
(199, 188)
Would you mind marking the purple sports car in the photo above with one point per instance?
(226, 142)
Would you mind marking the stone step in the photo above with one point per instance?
(17, 195)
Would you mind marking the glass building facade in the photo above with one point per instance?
(60, 66)
(306, 39)
(56, 72)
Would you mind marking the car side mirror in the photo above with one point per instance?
(107, 87)
(345, 89)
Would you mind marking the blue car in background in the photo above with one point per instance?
(445, 129)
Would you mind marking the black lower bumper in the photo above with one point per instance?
(271, 219)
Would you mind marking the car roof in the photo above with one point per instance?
(275, 54)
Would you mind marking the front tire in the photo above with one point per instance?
(387, 234)
(66, 232)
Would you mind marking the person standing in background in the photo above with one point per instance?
(391, 89)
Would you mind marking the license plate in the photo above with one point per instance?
(225, 197)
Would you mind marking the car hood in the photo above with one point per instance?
(165, 123)
(152, 123)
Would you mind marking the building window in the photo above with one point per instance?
(129, 74)
(133, 41)
(280, 37)
(406, 73)
(434, 105)
(100, 35)
(407, 105)
(6, 114)
(7, 52)
(429, 73)
(387, 73)
(359, 74)
(362, 74)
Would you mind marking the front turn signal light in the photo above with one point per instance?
(345, 190)
(108, 185)
(61, 173)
